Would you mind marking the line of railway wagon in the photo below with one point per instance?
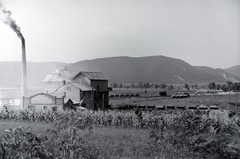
(163, 107)
(181, 95)
(123, 95)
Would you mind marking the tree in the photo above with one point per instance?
(151, 85)
(212, 85)
(140, 85)
(236, 86)
(229, 85)
(224, 87)
(126, 86)
(186, 86)
(192, 86)
(146, 85)
(195, 86)
(170, 87)
(155, 86)
(163, 86)
(218, 86)
(133, 85)
(120, 85)
(114, 85)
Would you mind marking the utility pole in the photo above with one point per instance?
(102, 101)
(237, 102)
(91, 104)
(228, 99)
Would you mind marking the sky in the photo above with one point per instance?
(200, 32)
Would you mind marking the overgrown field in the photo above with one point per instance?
(114, 134)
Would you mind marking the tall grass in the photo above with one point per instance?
(115, 134)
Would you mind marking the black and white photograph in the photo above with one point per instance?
(119, 79)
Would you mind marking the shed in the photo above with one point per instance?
(80, 94)
(99, 87)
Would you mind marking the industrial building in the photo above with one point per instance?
(86, 89)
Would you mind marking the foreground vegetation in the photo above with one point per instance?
(114, 134)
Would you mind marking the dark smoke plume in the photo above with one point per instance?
(9, 21)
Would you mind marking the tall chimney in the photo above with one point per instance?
(9, 21)
(24, 69)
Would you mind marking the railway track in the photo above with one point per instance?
(164, 107)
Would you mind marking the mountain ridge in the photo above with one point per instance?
(135, 69)
(125, 69)
(234, 70)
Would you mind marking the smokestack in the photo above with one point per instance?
(24, 69)
(9, 21)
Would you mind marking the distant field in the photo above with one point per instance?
(151, 97)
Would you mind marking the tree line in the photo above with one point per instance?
(229, 86)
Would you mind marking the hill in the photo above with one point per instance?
(151, 69)
(156, 69)
(218, 74)
(235, 70)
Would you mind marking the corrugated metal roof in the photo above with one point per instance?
(92, 75)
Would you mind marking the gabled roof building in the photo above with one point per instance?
(87, 89)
